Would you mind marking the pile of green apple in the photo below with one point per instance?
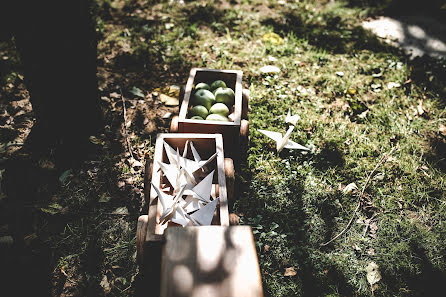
(212, 103)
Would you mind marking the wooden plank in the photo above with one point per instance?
(207, 145)
(210, 261)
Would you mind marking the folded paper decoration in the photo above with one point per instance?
(283, 142)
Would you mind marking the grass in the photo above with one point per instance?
(294, 201)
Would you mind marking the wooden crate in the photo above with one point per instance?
(206, 145)
(210, 261)
(234, 133)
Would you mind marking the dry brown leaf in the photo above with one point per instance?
(290, 271)
(266, 248)
(350, 188)
(115, 95)
(169, 101)
(442, 130)
(373, 275)
(134, 163)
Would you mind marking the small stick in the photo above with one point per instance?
(381, 161)
(125, 125)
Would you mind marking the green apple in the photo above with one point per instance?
(202, 85)
(218, 84)
(219, 108)
(226, 96)
(217, 117)
(214, 91)
(203, 97)
(199, 110)
(197, 118)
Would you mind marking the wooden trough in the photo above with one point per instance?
(148, 228)
(235, 133)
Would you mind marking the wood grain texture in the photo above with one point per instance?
(211, 261)
(206, 145)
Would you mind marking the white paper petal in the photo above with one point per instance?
(203, 216)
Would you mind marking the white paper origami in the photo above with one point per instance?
(168, 202)
(203, 216)
(189, 165)
(283, 142)
(191, 204)
(203, 189)
(292, 119)
(179, 217)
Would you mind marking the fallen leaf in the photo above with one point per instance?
(392, 85)
(363, 114)
(6, 241)
(169, 101)
(52, 209)
(134, 163)
(442, 130)
(169, 26)
(104, 198)
(373, 228)
(106, 99)
(137, 92)
(379, 176)
(266, 248)
(373, 275)
(351, 91)
(115, 95)
(269, 69)
(95, 140)
(420, 108)
(121, 184)
(64, 176)
(290, 271)
(371, 251)
(167, 115)
(272, 38)
(272, 59)
(350, 188)
(121, 210)
(340, 73)
(105, 284)
(174, 91)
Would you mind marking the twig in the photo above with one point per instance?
(125, 125)
(381, 161)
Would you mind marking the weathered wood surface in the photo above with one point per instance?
(206, 145)
(210, 261)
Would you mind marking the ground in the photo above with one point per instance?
(373, 117)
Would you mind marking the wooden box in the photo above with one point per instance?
(206, 145)
(234, 133)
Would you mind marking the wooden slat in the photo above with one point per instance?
(210, 261)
